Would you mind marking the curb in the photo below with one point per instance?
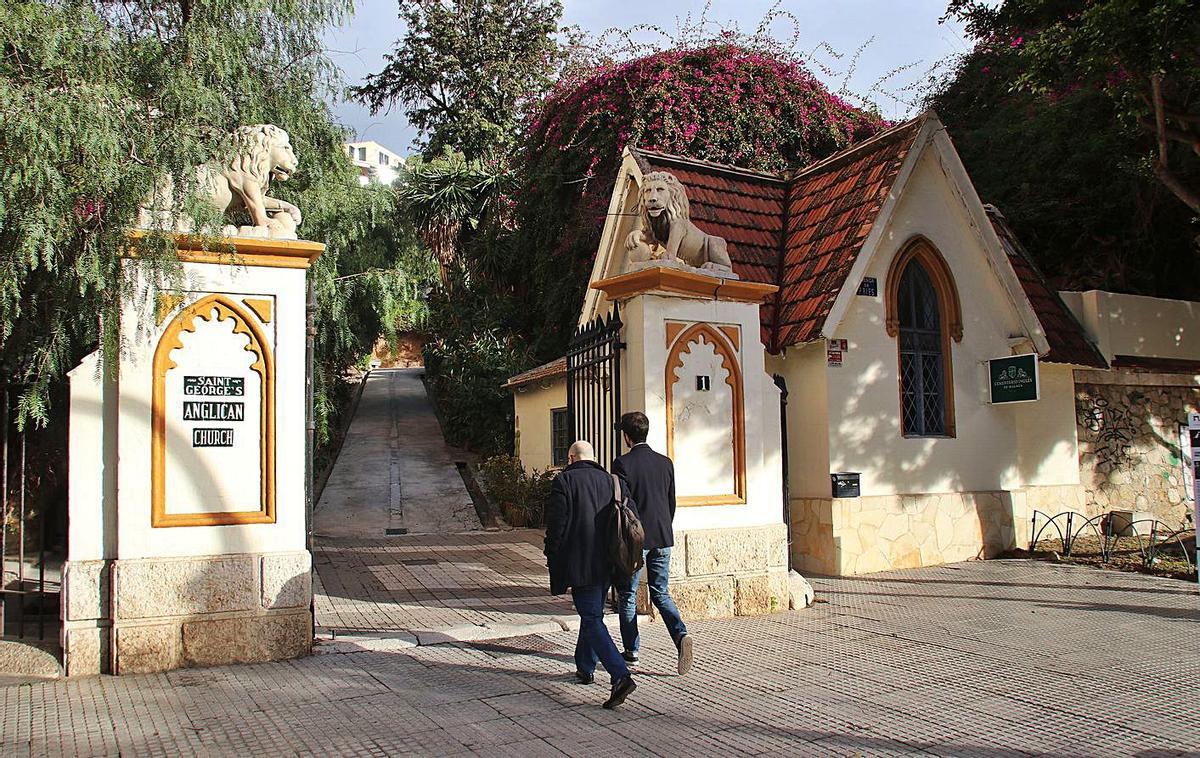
(334, 643)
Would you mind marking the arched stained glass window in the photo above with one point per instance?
(922, 360)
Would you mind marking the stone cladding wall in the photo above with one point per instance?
(177, 612)
(1130, 456)
(737, 571)
(846, 536)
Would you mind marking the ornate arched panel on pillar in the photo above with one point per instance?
(705, 409)
(229, 417)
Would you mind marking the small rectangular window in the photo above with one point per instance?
(351, 152)
(560, 437)
(362, 153)
(383, 159)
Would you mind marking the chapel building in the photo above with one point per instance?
(894, 292)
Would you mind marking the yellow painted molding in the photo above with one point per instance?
(246, 251)
(696, 334)
(261, 307)
(679, 282)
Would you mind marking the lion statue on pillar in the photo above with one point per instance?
(262, 152)
(666, 232)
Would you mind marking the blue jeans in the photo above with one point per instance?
(658, 565)
(595, 643)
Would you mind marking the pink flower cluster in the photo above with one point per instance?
(722, 102)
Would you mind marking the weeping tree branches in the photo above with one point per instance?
(99, 100)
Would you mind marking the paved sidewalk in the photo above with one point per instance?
(473, 585)
(998, 658)
(394, 470)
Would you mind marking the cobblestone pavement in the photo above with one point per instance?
(431, 582)
(999, 658)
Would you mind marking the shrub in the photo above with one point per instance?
(471, 352)
(520, 495)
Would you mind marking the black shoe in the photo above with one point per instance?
(630, 656)
(583, 678)
(621, 689)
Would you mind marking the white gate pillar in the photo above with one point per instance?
(187, 501)
(694, 364)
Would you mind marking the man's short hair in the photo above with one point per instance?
(636, 426)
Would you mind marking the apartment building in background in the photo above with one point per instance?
(374, 161)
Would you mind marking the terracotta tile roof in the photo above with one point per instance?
(803, 232)
(827, 209)
(1068, 341)
(832, 206)
(551, 370)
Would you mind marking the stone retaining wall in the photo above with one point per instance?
(178, 612)
(845, 536)
(1130, 456)
(739, 571)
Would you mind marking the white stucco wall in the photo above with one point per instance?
(136, 537)
(92, 485)
(995, 447)
(644, 388)
(803, 368)
(1138, 326)
(532, 405)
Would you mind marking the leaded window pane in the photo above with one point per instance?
(922, 380)
(560, 441)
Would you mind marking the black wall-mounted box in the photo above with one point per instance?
(845, 484)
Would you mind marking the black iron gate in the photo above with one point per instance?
(594, 385)
(33, 527)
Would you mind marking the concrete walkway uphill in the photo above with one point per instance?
(399, 550)
(394, 470)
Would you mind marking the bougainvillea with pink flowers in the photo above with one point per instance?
(723, 102)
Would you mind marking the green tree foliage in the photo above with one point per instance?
(1144, 55)
(1070, 174)
(99, 100)
(465, 68)
(371, 282)
(445, 200)
(516, 237)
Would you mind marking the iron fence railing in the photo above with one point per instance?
(594, 385)
(1150, 534)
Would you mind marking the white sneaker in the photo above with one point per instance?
(685, 655)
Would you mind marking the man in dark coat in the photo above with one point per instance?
(651, 482)
(577, 519)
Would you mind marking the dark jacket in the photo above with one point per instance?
(579, 509)
(651, 478)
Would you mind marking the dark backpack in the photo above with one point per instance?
(626, 537)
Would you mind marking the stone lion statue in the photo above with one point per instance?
(262, 152)
(666, 231)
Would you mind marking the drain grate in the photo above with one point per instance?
(395, 530)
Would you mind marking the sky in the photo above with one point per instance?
(897, 33)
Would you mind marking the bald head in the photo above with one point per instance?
(581, 451)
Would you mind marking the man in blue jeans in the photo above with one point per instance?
(580, 505)
(650, 478)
